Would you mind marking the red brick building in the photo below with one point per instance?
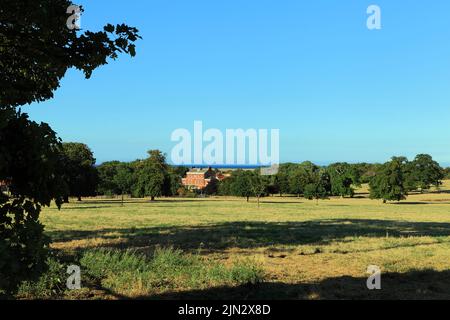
(198, 179)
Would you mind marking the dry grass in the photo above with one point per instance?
(308, 251)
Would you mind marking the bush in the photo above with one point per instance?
(23, 245)
(50, 284)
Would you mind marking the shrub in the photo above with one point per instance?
(51, 283)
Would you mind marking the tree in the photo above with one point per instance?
(151, 175)
(447, 173)
(299, 178)
(388, 183)
(80, 173)
(124, 179)
(212, 187)
(107, 172)
(224, 188)
(173, 180)
(29, 163)
(281, 182)
(36, 50)
(426, 172)
(410, 182)
(319, 187)
(258, 184)
(241, 184)
(365, 171)
(343, 177)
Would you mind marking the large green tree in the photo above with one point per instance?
(281, 181)
(107, 173)
(319, 187)
(424, 172)
(152, 174)
(29, 163)
(388, 183)
(241, 184)
(80, 173)
(299, 178)
(124, 179)
(343, 179)
(36, 50)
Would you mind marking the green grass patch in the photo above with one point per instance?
(50, 284)
(129, 273)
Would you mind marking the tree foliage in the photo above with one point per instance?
(29, 163)
(79, 170)
(343, 179)
(388, 183)
(36, 50)
(319, 187)
(300, 177)
(152, 175)
(241, 184)
(107, 172)
(424, 172)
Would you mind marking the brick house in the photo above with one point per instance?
(198, 179)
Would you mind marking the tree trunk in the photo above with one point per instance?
(122, 199)
(79, 198)
(258, 201)
(317, 201)
(66, 199)
(384, 201)
(152, 198)
(248, 198)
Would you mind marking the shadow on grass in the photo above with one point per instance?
(279, 202)
(254, 234)
(423, 284)
(410, 203)
(87, 207)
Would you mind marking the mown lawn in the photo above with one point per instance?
(288, 248)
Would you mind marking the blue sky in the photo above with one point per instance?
(336, 90)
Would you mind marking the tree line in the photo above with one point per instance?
(153, 177)
(391, 181)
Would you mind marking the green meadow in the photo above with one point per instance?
(289, 248)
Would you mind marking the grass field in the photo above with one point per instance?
(228, 248)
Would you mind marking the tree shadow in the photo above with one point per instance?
(416, 285)
(280, 202)
(410, 203)
(88, 207)
(126, 201)
(254, 234)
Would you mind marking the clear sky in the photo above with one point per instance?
(336, 90)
